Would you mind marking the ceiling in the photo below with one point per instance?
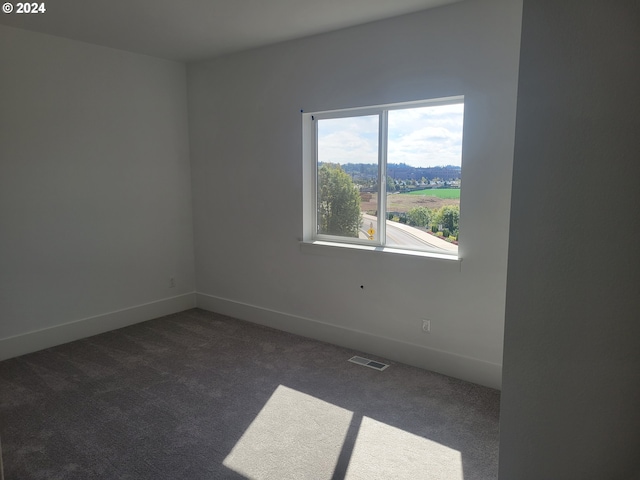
(187, 30)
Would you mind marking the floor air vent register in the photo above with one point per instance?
(365, 362)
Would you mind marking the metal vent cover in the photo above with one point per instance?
(365, 362)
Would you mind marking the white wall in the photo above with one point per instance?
(571, 384)
(245, 139)
(95, 201)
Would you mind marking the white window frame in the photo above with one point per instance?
(310, 171)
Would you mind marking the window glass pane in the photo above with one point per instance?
(347, 176)
(424, 158)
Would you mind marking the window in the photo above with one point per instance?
(386, 176)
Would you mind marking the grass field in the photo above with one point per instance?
(448, 193)
(403, 202)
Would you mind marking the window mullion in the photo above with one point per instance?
(382, 178)
(314, 143)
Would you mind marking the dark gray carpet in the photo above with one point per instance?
(198, 395)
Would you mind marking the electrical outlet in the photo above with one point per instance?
(426, 326)
(172, 282)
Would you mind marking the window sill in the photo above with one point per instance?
(336, 249)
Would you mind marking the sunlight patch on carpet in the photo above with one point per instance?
(294, 435)
(382, 451)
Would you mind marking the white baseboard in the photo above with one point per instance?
(86, 327)
(451, 364)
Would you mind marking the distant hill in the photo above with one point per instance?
(401, 171)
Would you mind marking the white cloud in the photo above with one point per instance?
(427, 136)
(348, 140)
(421, 137)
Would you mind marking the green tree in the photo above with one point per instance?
(448, 216)
(391, 184)
(419, 216)
(338, 202)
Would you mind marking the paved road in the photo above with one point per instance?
(400, 235)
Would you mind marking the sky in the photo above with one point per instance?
(420, 137)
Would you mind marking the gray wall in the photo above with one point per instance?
(95, 199)
(245, 138)
(571, 383)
